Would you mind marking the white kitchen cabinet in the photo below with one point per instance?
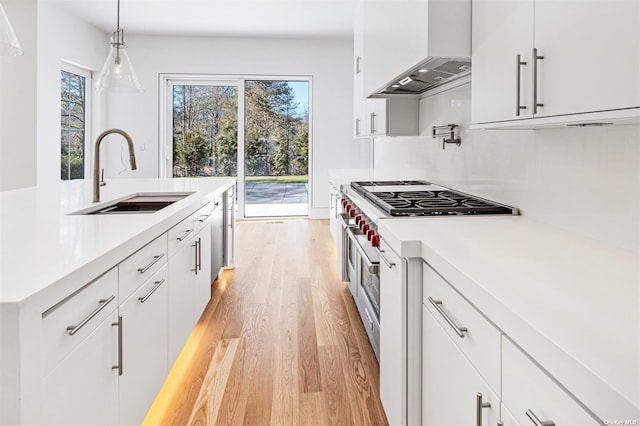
(532, 396)
(217, 236)
(202, 274)
(83, 388)
(229, 225)
(393, 336)
(506, 417)
(453, 392)
(334, 210)
(144, 343)
(399, 34)
(576, 71)
(396, 116)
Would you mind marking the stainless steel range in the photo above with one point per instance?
(363, 204)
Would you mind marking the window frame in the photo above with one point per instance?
(88, 100)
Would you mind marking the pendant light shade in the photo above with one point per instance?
(117, 73)
(9, 45)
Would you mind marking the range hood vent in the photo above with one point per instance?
(427, 75)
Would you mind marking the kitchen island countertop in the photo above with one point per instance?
(572, 303)
(45, 250)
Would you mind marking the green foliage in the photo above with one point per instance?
(302, 149)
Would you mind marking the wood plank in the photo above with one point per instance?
(308, 367)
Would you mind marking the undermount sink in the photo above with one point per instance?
(140, 203)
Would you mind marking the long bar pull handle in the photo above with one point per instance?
(157, 284)
(535, 58)
(199, 253)
(358, 59)
(536, 421)
(203, 217)
(519, 63)
(384, 258)
(184, 235)
(73, 329)
(195, 246)
(479, 406)
(373, 123)
(438, 305)
(357, 127)
(119, 325)
(150, 264)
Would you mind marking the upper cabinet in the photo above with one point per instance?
(550, 62)
(400, 34)
(377, 117)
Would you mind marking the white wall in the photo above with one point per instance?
(585, 180)
(328, 62)
(62, 37)
(18, 100)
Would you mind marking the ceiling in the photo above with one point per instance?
(222, 18)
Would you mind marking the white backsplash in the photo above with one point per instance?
(584, 180)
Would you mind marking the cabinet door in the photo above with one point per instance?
(376, 118)
(144, 345)
(229, 207)
(202, 277)
(502, 29)
(393, 337)
(450, 384)
(83, 388)
(217, 239)
(528, 392)
(591, 52)
(180, 288)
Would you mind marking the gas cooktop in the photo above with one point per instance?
(421, 198)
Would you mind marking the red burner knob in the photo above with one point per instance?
(375, 240)
(352, 213)
(344, 202)
(365, 228)
(370, 233)
(358, 220)
(348, 208)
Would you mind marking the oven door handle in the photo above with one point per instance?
(371, 266)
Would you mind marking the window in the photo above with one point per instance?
(73, 120)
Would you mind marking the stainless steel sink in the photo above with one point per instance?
(140, 203)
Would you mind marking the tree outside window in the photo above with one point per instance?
(72, 124)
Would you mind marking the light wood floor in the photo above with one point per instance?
(280, 342)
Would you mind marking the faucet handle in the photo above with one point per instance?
(102, 182)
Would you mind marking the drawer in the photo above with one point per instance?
(180, 235)
(201, 216)
(528, 392)
(506, 417)
(141, 265)
(84, 311)
(480, 342)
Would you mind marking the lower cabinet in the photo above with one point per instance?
(202, 275)
(83, 388)
(532, 396)
(143, 318)
(452, 390)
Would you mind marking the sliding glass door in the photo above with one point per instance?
(255, 129)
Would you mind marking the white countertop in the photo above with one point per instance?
(570, 302)
(43, 249)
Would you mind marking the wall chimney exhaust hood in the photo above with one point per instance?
(427, 75)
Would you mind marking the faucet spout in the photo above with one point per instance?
(96, 164)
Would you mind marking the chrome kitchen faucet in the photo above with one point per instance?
(96, 165)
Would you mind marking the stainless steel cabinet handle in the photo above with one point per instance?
(119, 325)
(203, 217)
(358, 59)
(73, 329)
(438, 305)
(535, 58)
(184, 235)
(500, 423)
(150, 264)
(373, 123)
(195, 246)
(199, 253)
(384, 258)
(536, 421)
(357, 126)
(519, 63)
(153, 289)
(479, 406)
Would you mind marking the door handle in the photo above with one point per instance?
(535, 58)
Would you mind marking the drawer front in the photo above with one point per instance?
(506, 417)
(476, 337)
(529, 393)
(141, 265)
(68, 323)
(201, 216)
(180, 235)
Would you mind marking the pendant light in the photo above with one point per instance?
(9, 45)
(117, 73)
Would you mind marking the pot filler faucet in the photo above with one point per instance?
(96, 165)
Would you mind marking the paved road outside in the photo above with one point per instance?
(275, 193)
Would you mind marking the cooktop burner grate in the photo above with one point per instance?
(425, 203)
